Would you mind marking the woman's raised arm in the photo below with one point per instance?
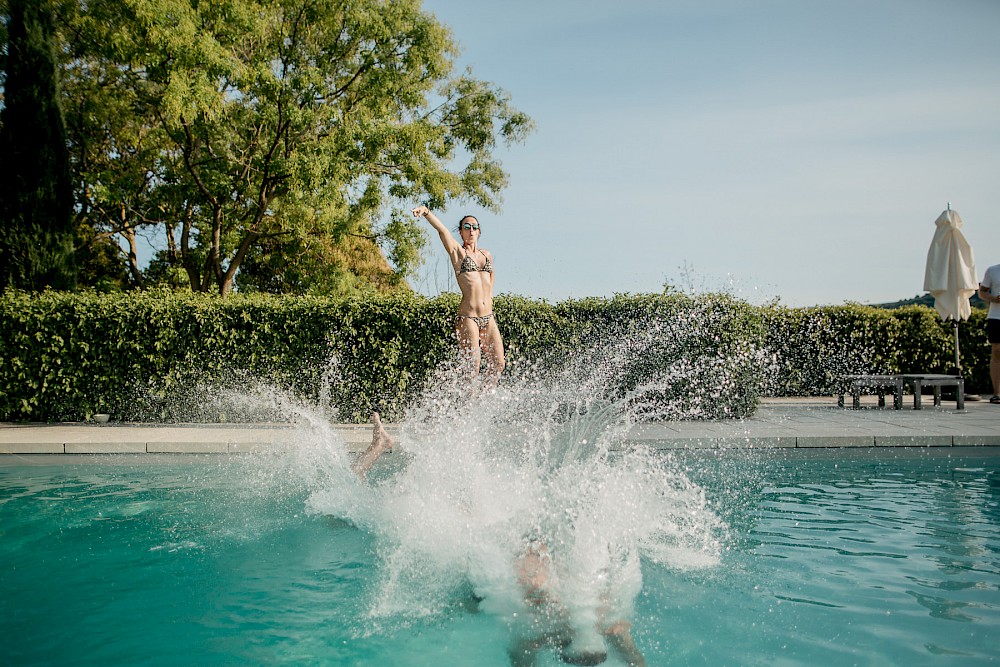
(450, 244)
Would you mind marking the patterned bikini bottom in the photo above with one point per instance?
(482, 321)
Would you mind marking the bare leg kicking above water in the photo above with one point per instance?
(382, 442)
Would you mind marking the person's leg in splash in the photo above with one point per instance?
(619, 635)
(382, 442)
(491, 344)
(467, 333)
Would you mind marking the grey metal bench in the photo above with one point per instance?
(917, 382)
(855, 383)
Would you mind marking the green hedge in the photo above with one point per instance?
(149, 355)
(814, 346)
(175, 355)
(696, 358)
(184, 356)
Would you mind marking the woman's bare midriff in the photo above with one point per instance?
(477, 294)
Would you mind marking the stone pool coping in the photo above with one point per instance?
(778, 423)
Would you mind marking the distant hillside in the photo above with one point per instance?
(925, 300)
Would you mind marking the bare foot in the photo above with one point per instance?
(381, 440)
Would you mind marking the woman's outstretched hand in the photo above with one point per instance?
(421, 211)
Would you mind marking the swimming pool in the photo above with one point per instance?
(835, 558)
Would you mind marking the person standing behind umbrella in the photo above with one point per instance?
(989, 291)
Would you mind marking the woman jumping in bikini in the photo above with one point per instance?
(475, 325)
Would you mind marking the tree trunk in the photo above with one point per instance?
(133, 256)
(234, 263)
(216, 254)
(187, 261)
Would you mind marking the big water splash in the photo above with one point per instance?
(480, 477)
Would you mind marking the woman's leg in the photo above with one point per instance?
(467, 332)
(492, 346)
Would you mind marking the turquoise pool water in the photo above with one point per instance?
(836, 558)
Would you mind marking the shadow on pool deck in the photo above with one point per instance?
(778, 422)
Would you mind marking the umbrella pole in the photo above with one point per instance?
(958, 363)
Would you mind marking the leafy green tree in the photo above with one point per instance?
(280, 137)
(336, 263)
(120, 156)
(99, 261)
(36, 194)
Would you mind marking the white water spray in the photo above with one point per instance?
(480, 477)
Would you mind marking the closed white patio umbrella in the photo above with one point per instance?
(950, 275)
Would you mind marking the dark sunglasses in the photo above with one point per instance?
(467, 226)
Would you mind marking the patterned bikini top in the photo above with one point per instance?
(468, 265)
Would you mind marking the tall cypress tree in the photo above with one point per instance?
(36, 194)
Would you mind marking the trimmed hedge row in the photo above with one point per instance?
(814, 346)
(692, 358)
(150, 355)
(136, 355)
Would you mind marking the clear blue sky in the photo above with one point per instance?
(792, 149)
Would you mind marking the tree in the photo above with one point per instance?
(333, 263)
(268, 134)
(36, 194)
(121, 157)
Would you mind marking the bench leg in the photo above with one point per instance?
(897, 398)
(840, 400)
(881, 397)
(917, 388)
(856, 396)
(960, 396)
(937, 395)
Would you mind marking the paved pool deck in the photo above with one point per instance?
(778, 423)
